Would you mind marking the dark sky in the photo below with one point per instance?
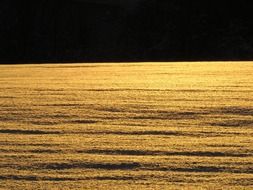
(124, 30)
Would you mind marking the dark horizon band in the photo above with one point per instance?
(124, 31)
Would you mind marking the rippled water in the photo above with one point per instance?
(126, 126)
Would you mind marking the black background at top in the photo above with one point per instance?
(141, 30)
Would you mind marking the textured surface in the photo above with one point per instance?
(126, 126)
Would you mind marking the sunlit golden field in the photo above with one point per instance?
(126, 126)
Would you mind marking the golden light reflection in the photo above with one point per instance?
(126, 126)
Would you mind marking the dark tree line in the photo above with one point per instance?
(148, 30)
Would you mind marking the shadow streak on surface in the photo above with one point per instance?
(143, 167)
(103, 166)
(47, 178)
(207, 169)
(165, 153)
(139, 133)
(233, 123)
(36, 178)
(28, 132)
(247, 111)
